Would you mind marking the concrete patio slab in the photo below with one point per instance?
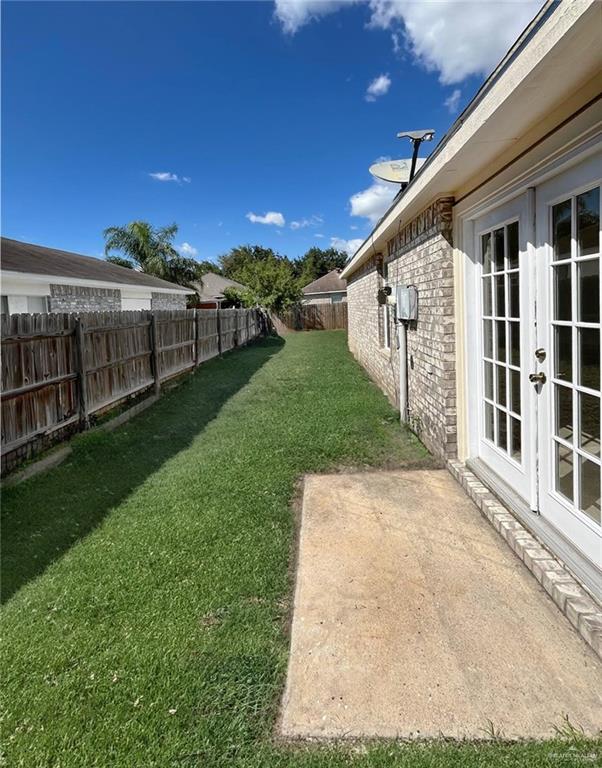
(413, 619)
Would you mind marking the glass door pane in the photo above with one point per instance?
(575, 326)
(500, 317)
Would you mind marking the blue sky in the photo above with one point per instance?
(258, 116)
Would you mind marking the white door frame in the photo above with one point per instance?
(558, 170)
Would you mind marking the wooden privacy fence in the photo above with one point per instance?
(59, 370)
(312, 317)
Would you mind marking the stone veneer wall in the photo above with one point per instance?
(76, 298)
(421, 255)
(161, 301)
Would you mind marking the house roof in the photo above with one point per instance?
(214, 286)
(511, 107)
(27, 258)
(328, 283)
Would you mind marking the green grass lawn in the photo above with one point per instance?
(147, 580)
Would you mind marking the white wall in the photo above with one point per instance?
(17, 305)
(138, 303)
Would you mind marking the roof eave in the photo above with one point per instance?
(39, 277)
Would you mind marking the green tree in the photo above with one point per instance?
(234, 298)
(269, 278)
(151, 250)
(317, 262)
(234, 263)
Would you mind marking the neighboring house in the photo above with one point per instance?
(328, 289)
(38, 279)
(500, 233)
(211, 292)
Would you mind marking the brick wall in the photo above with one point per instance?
(161, 301)
(420, 254)
(76, 298)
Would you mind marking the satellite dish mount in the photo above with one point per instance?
(416, 137)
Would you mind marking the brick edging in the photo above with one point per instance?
(580, 609)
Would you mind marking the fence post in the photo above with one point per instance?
(197, 337)
(80, 358)
(219, 331)
(154, 345)
(235, 335)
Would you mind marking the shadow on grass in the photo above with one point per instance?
(45, 516)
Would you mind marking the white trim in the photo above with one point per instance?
(323, 293)
(24, 287)
(571, 153)
(533, 401)
(128, 294)
(85, 282)
(463, 232)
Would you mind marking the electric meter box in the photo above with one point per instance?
(406, 302)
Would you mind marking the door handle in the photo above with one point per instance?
(540, 354)
(537, 378)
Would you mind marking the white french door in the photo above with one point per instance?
(537, 346)
(568, 334)
(505, 420)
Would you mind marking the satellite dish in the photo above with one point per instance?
(397, 171)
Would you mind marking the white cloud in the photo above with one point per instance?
(378, 87)
(371, 203)
(163, 176)
(168, 176)
(456, 39)
(453, 101)
(271, 217)
(294, 14)
(187, 250)
(349, 246)
(313, 221)
(318, 234)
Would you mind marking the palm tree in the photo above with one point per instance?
(150, 249)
